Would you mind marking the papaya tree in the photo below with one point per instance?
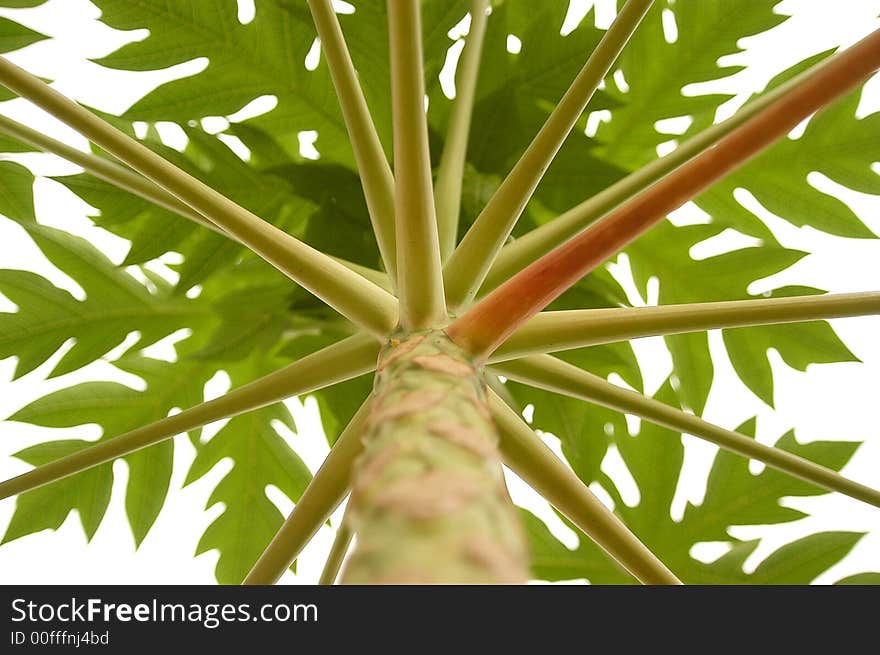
(439, 267)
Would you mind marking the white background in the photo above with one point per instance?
(836, 401)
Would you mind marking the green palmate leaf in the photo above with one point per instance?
(21, 4)
(734, 496)
(324, 200)
(263, 195)
(656, 71)
(264, 150)
(115, 304)
(553, 561)
(861, 579)
(116, 408)
(336, 404)
(804, 559)
(796, 563)
(812, 343)
(834, 144)
(516, 93)
(261, 457)
(16, 191)
(265, 57)
(664, 253)
(335, 199)
(14, 35)
(584, 431)
(238, 70)
(654, 458)
(48, 507)
(542, 70)
(154, 231)
(252, 321)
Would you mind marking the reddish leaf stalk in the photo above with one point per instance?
(488, 323)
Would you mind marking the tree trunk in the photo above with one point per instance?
(429, 504)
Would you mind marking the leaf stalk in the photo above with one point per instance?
(527, 456)
(468, 265)
(563, 330)
(354, 297)
(341, 361)
(420, 281)
(447, 187)
(487, 324)
(323, 495)
(375, 173)
(552, 374)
